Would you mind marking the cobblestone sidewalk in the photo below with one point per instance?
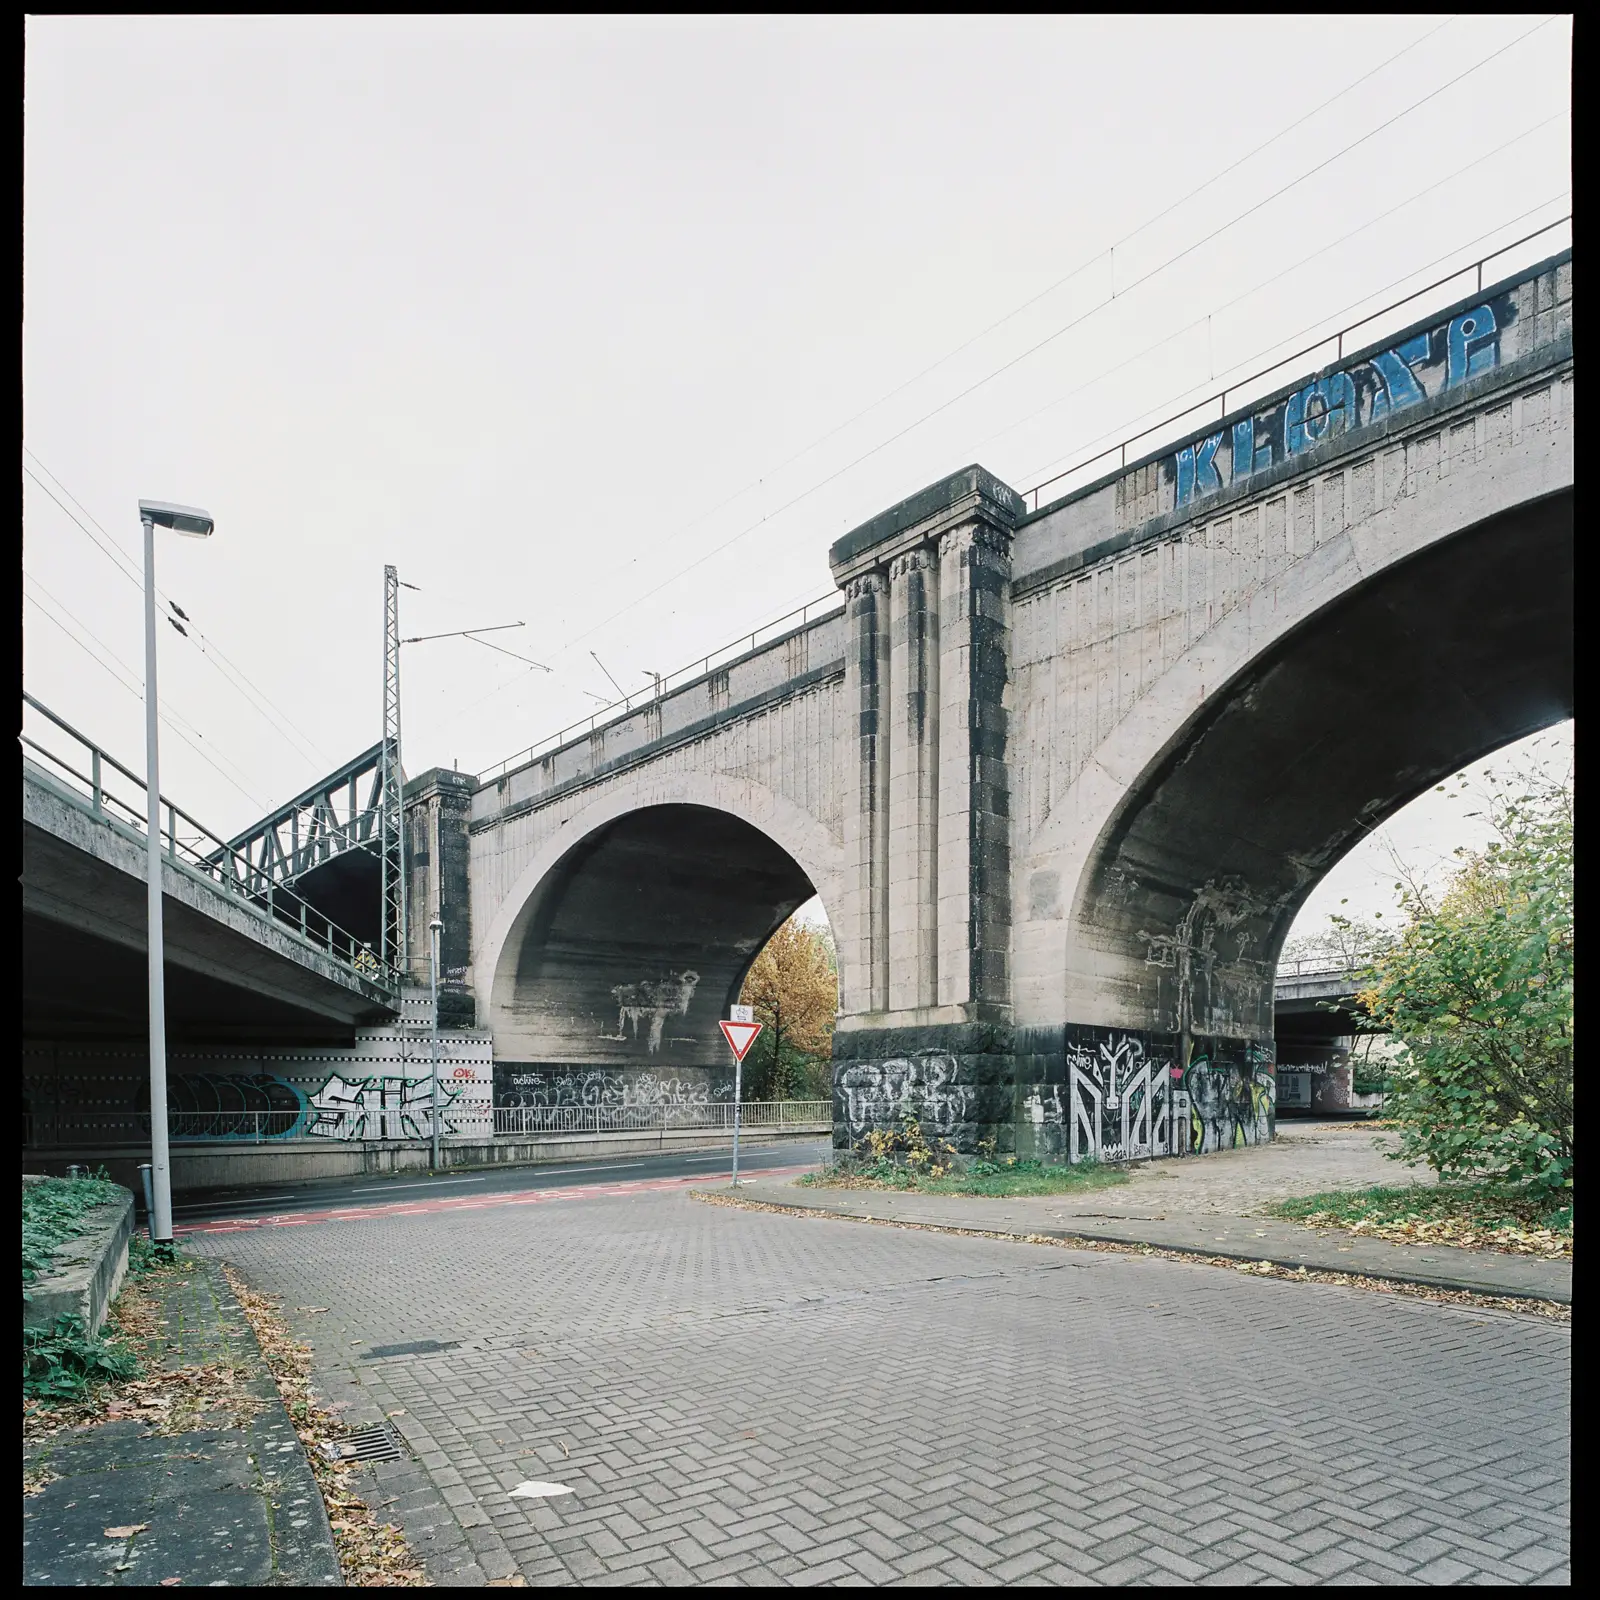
(725, 1396)
(216, 1506)
(1105, 1215)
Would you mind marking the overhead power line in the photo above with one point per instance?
(125, 677)
(230, 672)
(1284, 272)
(1102, 254)
(1144, 278)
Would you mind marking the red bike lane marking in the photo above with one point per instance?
(474, 1202)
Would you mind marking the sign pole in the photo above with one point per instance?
(738, 1084)
(740, 1030)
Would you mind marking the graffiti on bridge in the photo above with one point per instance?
(1121, 1100)
(651, 1003)
(1365, 392)
(878, 1094)
(382, 1106)
(1230, 1103)
(535, 1088)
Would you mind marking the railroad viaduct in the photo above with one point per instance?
(1062, 776)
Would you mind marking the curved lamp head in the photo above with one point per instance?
(181, 519)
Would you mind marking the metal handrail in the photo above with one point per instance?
(1317, 967)
(1336, 338)
(658, 691)
(203, 853)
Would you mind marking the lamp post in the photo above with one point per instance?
(197, 524)
(434, 929)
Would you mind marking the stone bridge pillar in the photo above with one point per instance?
(925, 920)
(438, 807)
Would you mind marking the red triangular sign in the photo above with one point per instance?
(740, 1036)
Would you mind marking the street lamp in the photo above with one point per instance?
(198, 525)
(434, 929)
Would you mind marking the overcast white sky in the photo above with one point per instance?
(612, 326)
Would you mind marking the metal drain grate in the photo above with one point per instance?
(369, 1444)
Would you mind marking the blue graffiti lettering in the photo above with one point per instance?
(1186, 475)
(1319, 411)
(1244, 448)
(1400, 387)
(1473, 345)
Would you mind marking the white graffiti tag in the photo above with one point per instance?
(652, 1002)
(878, 1094)
(379, 1108)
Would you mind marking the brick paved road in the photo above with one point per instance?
(737, 1396)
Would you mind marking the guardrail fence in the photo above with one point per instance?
(191, 846)
(755, 1115)
(65, 1128)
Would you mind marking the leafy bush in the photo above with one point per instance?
(54, 1211)
(1478, 990)
(65, 1360)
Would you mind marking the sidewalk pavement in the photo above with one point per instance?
(217, 1507)
(1097, 1216)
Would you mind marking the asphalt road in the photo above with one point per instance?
(372, 1189)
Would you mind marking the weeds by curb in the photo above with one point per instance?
(1547, 1310)
(372, 1554)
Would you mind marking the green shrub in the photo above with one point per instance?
(1477, 990)
(65, 1360)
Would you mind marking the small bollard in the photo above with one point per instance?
(149, 1201)
(74, 1170)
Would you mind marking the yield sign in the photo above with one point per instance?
(740, 1036)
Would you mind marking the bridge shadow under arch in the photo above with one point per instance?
(620, 962)
(1428, 665)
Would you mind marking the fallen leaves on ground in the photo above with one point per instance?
(36, 1480)
(167, 1401)
(1462, 1216)
(1460, 1232)
(127, 1532)
(372, 1554)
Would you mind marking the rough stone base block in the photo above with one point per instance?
(1063, 1094)
(958, 1081)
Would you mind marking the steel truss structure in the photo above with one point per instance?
(331, 817)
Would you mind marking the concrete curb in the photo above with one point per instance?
(87, 1271)
(1279, 1244)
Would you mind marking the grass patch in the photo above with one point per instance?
(991, 1179)
(1473, 1216)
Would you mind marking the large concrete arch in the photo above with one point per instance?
(630, 930)
(1186, 888)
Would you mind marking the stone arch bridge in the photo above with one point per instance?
(1062, 776)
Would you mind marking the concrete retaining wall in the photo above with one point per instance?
(196, 1168)
(87, 1271)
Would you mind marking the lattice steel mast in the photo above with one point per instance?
(395, 948)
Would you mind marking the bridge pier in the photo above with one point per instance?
(925, 1003)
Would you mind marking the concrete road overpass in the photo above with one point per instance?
(1062, 775)
(233, 971)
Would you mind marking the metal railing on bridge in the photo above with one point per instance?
(1317, 967)
(671, 682)
(118, 796)
(1179, 424)
(754, 1115)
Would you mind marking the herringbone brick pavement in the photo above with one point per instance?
(738, 1397)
